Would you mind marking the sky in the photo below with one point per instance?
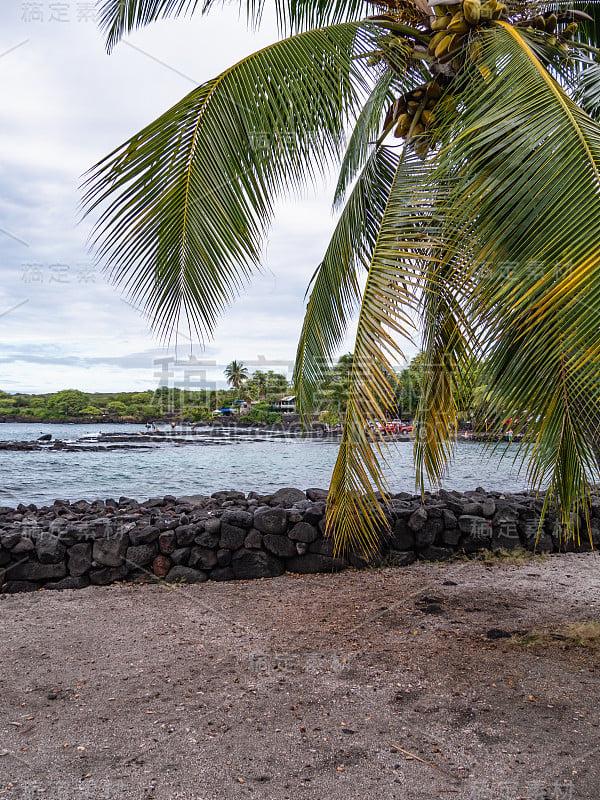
(66, 103)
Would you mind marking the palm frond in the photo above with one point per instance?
(448, 344)
(524, 207)
(336, 290)
(588, 94)
(355, 517)
(184, 204)
(119, 17)
(365, 131)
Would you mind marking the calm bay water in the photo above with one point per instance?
(246, 462)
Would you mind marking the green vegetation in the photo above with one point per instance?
(474, 230)
(572, 634)
(236, 373)
(164, 403)
(71, 403)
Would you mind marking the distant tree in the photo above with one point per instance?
(116, 407)
(67, 403)
(257, 385)
(236, 373)
(91, 411)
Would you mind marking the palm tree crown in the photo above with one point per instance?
(236, 373)
(469, 217)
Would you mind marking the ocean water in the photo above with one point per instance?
(260, 461)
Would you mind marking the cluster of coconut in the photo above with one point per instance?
(412, 115)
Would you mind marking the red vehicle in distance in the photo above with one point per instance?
(395, 426)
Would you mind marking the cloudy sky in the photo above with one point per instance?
(65, 104)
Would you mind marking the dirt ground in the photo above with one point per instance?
(373, 684)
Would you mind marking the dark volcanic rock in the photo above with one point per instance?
(102, 577)
(203, 558)
(279, 545)
(451, 536)
(143, 535)
(180, 556)
(271, 520)
(186, 574)
(323, 547)
(314, 513)
(429, 533)
(254, 540)
(140, 555)
(433, 553)
(402, 537)
(161, 566)
(208, 538)
(232, 537)
(193, 499)
(224, 496)
(303, 532)
(49, 549)
(286, 497)
(313, 562)
(223, 558)
(34, 571)
(24, 545)
(543, 545)
(321, 494)
(12, 587)
(167, 542)
(237, 517)
(212, 525)
(488, 507)
(474, 526)
(450, 520)
(110, 552)
(473, 509)
(79, 558)
(256, 564)
(10, 539)
(497, 633)
(222, 574)
(417, 520)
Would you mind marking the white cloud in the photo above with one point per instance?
(66, 104)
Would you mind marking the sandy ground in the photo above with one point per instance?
(372, 684)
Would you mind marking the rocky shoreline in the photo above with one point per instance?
(230, 536)
(103, 441)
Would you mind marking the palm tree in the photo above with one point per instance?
(260, 379)
(469, 200)
(236, 373)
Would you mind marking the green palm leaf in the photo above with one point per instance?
(526, 214)
(119, 17)
(184, 204)
(354, 515)
(588, 94)
(448, 343)
(336, 289)
(363, 135)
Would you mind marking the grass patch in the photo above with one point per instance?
(572, 634)
(517, 556)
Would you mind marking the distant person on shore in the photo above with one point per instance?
(510, 434)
